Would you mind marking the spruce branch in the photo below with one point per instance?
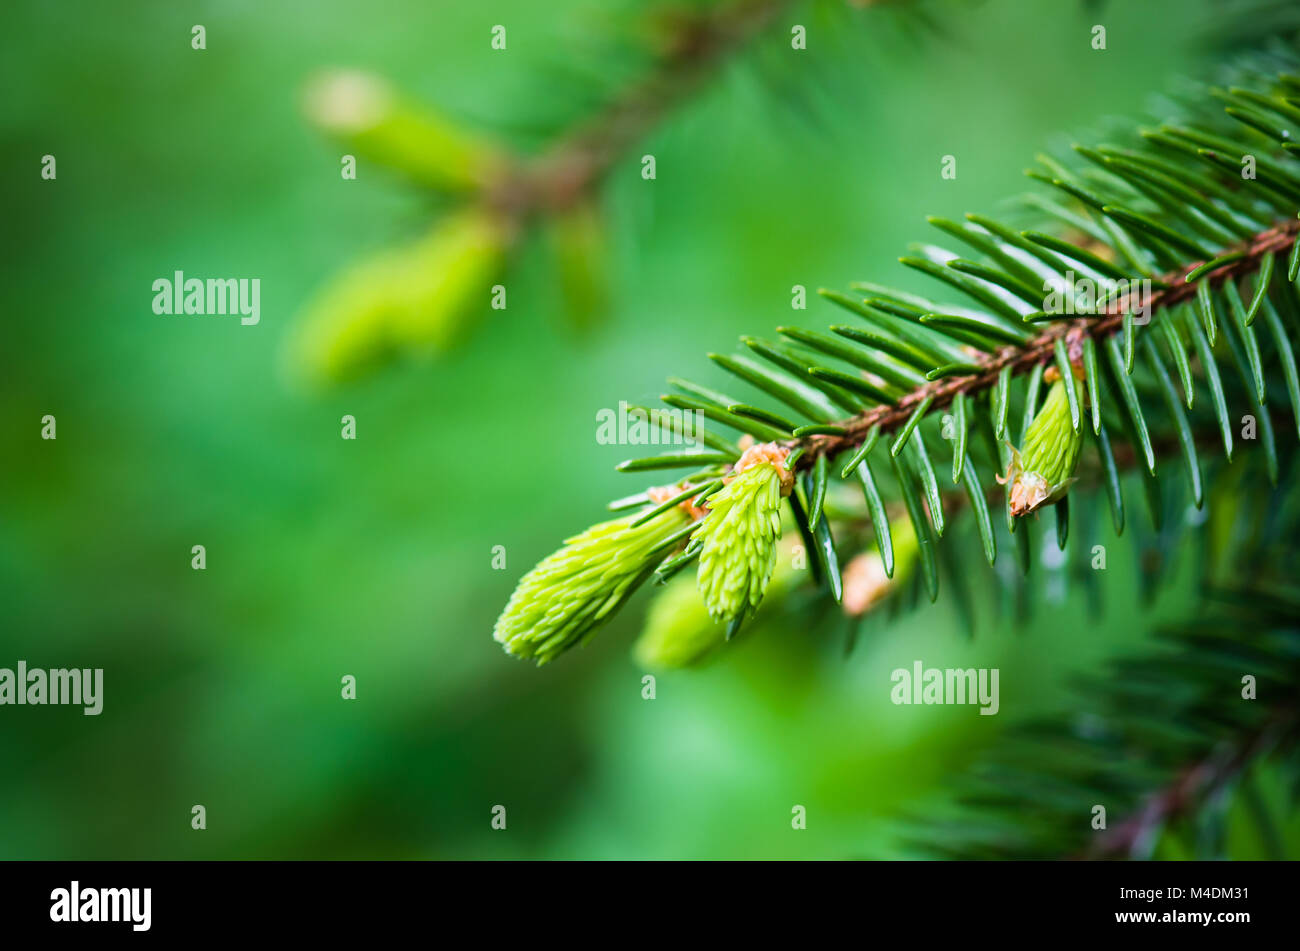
(693, 45)
(1240, 259)
(1169, 269)
(1150, 764)
(1193, 785)
(417, 299)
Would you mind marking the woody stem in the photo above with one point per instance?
(1040, 349)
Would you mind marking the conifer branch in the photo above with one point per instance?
(1140, 225)
(417, 300)
(694, 46)
(1149, 766)
(1189, 790)
(1246, 258)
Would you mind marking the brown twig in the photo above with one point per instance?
(1190, 787)
(1040, 349)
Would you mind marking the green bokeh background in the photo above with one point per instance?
(373, 558)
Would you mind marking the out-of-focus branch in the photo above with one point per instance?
(692, 46)
(1189, 790)
(419, 298)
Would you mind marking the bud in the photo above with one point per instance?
(739, 534)
(450, 276)
(1040, 473)
(865, 581)
(366, 114)
(678, 631)
(570, 593)
(413, 299)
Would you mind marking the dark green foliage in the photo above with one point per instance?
(1171, 206)
(1160, 283)
(1166, 737)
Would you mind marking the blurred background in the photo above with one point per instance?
(374, 557)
